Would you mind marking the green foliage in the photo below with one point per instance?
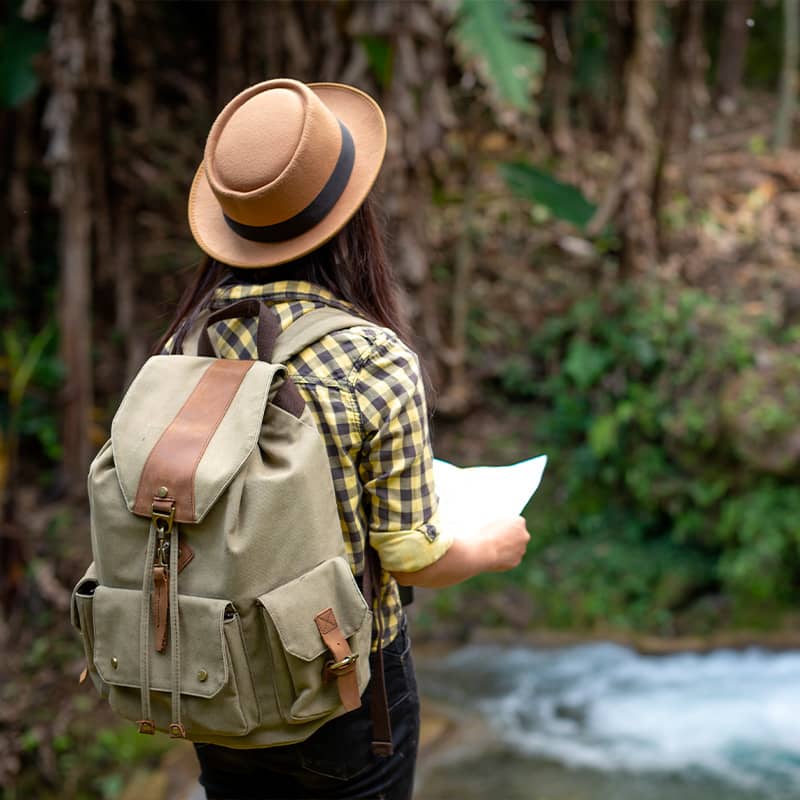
(498, 39)
(653, 504)
(591, 55)
(761, 531)
(29, 371)
(94, 763)
(380, 55)
(563, 200)
(20, 43)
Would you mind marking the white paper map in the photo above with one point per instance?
(471, 497)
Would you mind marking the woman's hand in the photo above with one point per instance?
(504, 541)
(497, 547)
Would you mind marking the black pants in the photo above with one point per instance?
(337, 760)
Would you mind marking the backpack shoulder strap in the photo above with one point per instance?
(306, 330)
(310, 328)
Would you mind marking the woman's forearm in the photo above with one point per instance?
(461, 561)
(497, 547)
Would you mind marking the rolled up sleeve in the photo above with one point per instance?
(396, 466)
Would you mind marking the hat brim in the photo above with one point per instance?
(365, 121)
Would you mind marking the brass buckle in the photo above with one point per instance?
(163, 521)
(345, 663)
(147, 726)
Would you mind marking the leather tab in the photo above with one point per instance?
(160, 606)
(335, 641)
(84, 674)
(185, 555)
(177, 731)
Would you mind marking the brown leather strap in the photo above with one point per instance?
(269, 326)
(160, 606)
(288, 398)
(173, 461)
(343, 666)
(379, 702)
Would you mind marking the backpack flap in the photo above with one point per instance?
(293, 607)
(187, 425)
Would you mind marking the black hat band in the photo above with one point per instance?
(315, 211)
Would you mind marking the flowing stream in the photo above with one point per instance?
(600, 722)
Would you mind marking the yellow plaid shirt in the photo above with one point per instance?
(364, 390)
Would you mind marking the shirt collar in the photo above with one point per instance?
(277, 291)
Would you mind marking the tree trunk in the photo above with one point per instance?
(628, 198)
(558, 78)
(75, 325)
(787, 106)
(732, 52)
(69, 156)
(416, 101)
(682, 105)
(636, 217)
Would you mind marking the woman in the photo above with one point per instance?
(280, 206)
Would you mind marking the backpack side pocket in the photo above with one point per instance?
(82, 618)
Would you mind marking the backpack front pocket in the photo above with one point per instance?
(299, 654)
(215, 683)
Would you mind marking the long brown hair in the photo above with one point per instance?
(352, 265)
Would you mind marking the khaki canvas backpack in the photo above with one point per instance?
(220, 605)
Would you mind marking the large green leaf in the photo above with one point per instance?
(563, 200)
(498, 38)
(20, 41)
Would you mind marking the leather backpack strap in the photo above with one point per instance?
(310, 328)
(269, 326)
(379, 701)
(187, 336)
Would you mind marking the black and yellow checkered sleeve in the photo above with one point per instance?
(396, 467)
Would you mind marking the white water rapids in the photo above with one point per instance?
(731, 717)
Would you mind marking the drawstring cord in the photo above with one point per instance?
(176, 729)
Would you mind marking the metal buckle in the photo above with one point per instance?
(163, 521)
(347, 661)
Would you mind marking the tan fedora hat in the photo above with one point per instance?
(285, 166)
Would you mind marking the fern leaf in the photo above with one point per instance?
(497, 39)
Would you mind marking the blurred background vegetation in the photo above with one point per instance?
(593, 208)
